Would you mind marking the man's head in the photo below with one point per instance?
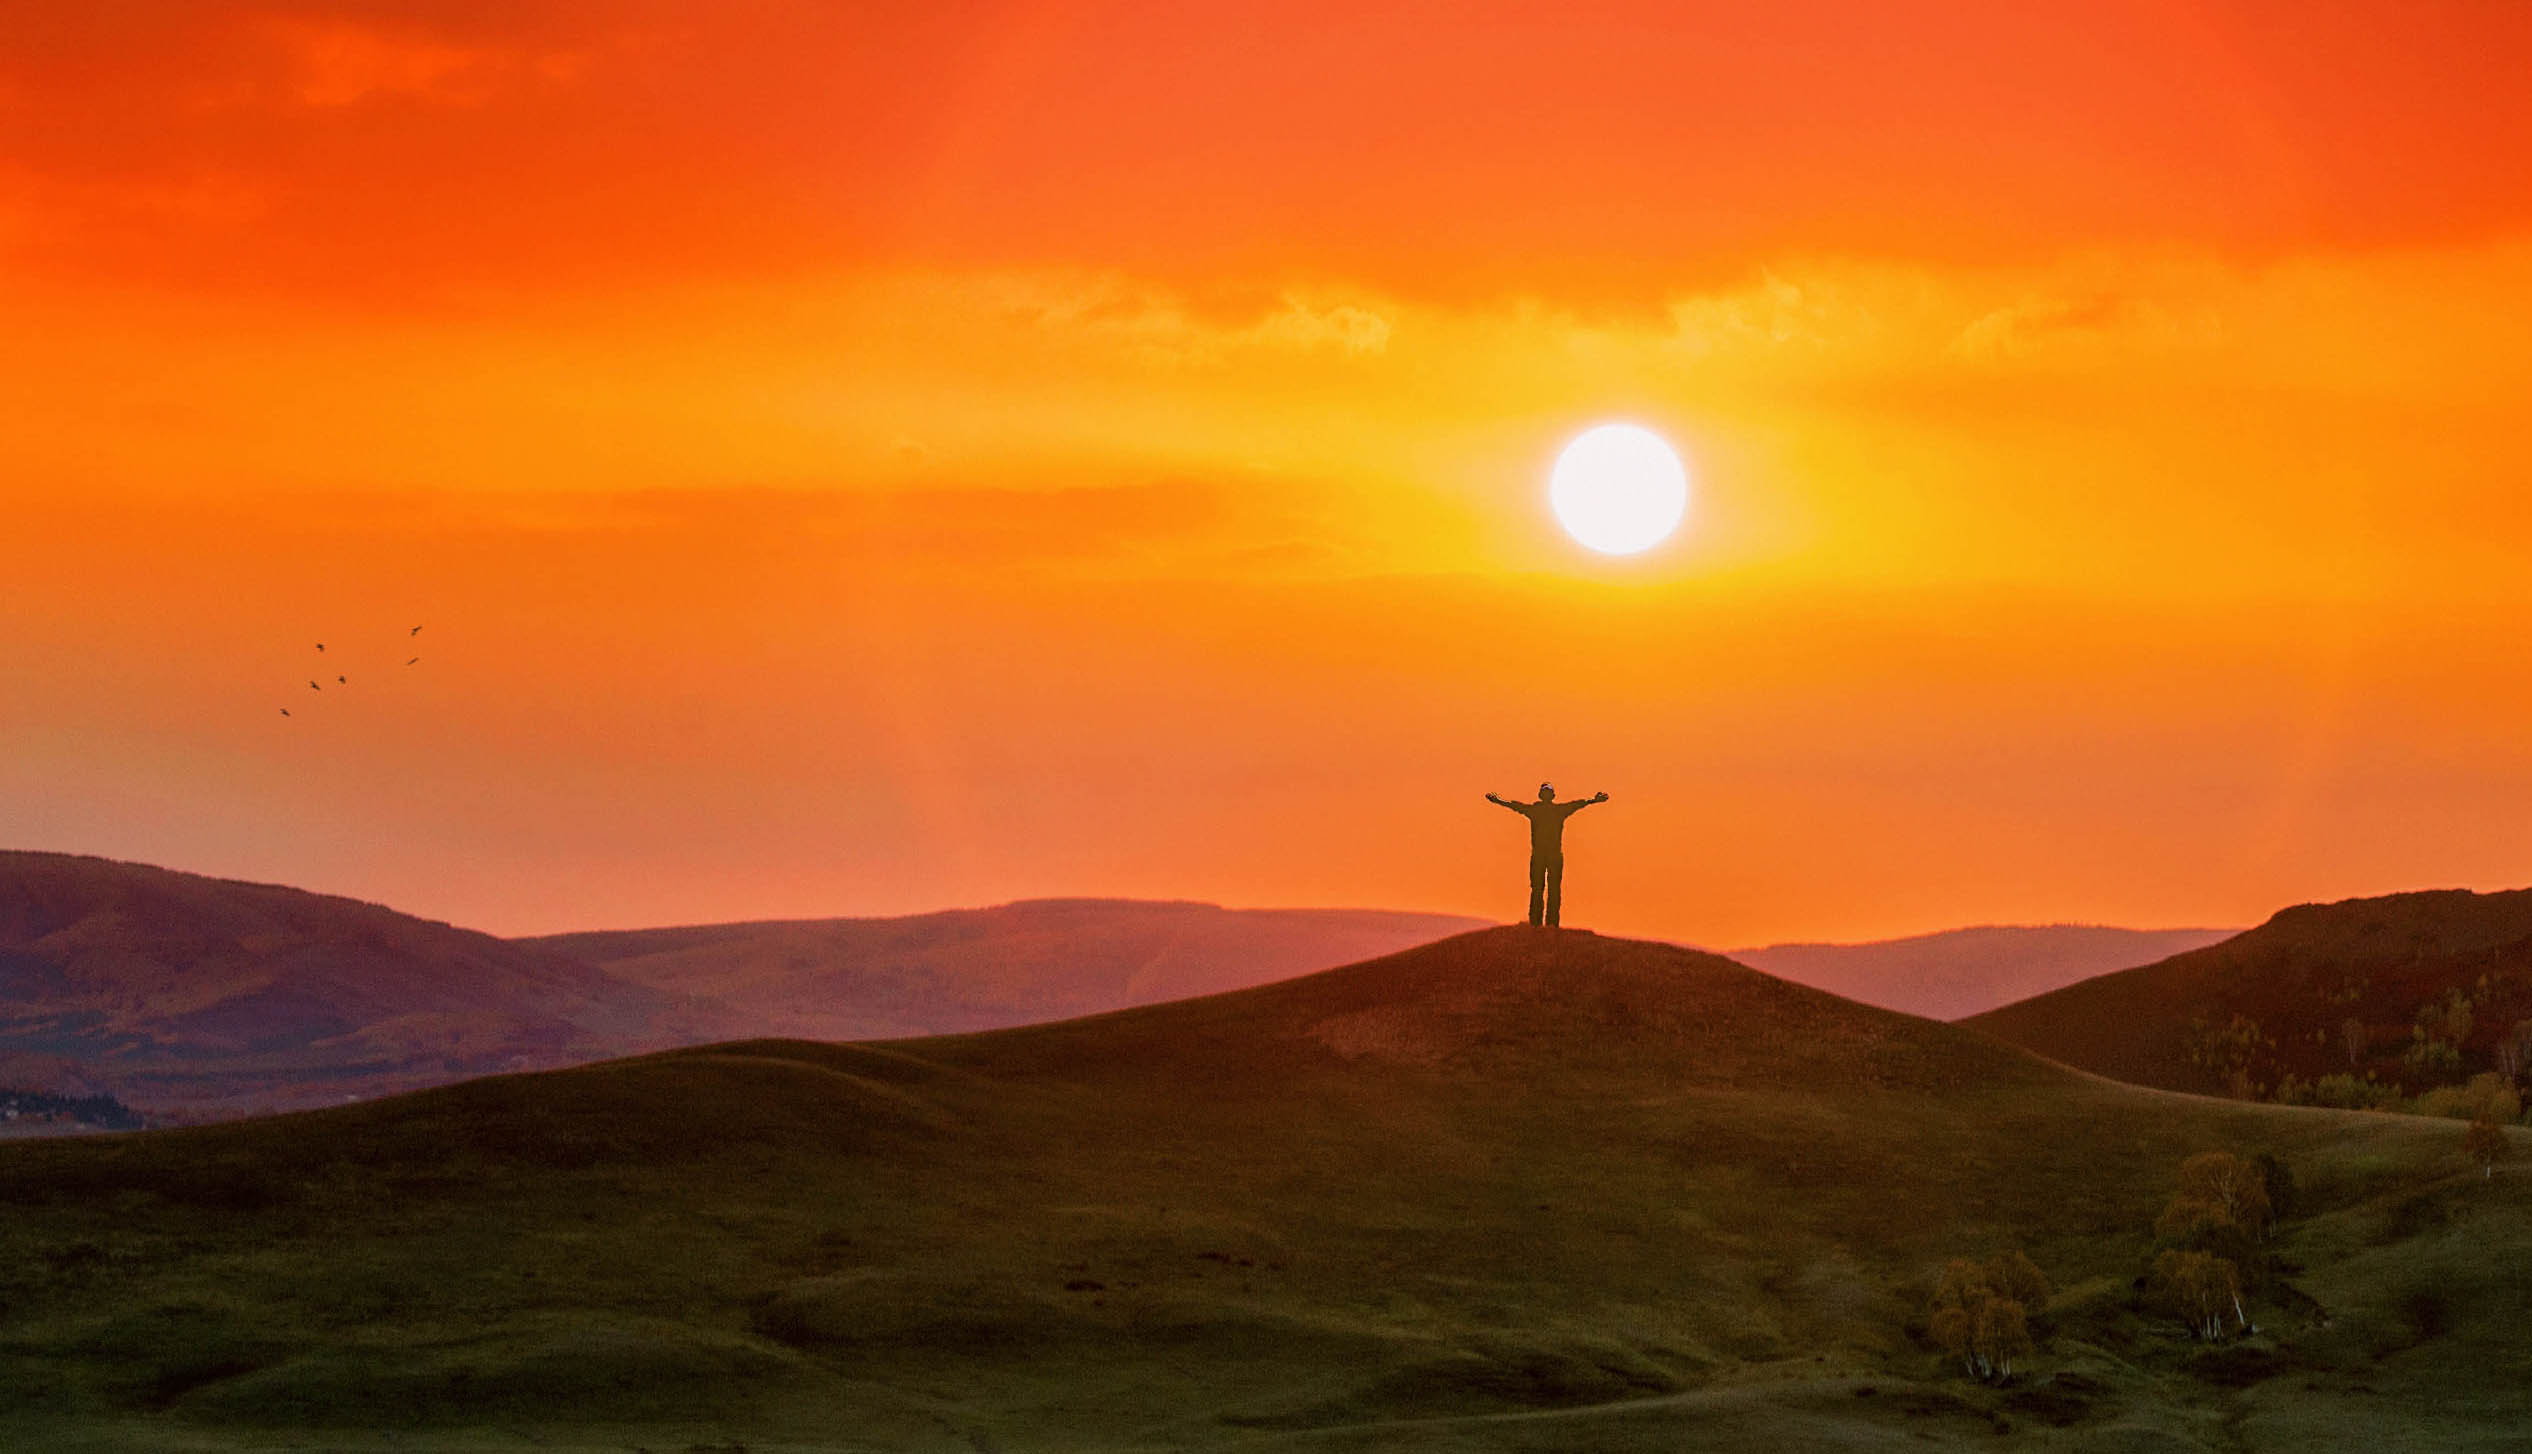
(1547, 792)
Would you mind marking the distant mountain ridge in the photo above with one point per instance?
(222, 996)
(2319, 989)
(1961, 972)
(199, 997)
(982, 969)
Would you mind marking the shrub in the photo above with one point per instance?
(2340, 1092)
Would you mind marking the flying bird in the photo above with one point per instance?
(416, 631)
(320, 646)
(344, 680)
(409, 663)
(312, 686)
(285, 711)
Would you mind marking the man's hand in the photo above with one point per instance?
(1600, 797)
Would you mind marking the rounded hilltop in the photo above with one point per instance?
(1526, 1001)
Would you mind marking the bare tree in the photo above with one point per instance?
(2485, 1142)
(2354, 1035)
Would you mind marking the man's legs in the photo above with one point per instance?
(1538, 890)
(1555, 889)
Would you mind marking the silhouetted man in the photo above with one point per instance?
(1547, 847)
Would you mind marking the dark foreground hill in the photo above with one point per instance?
(2320, 989)
(1518, 1190)
(983, 969)
(1963, 971)
(211, 996)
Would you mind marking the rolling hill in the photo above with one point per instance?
(213, 997)
(1961, 972)
(2289, 991)
(982, 969)
(1515, 1190)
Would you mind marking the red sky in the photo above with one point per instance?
(858, 459)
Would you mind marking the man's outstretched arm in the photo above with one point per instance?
(1587, 802)
(1503, 802)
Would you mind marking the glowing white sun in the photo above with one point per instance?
(1619, 489)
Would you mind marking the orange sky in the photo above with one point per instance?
(861, 459)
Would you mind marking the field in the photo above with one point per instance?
(1518, 1190)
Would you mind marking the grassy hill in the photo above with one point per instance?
(982, 969)
(1960, 972)
(2295, 985)
(1517, 1190)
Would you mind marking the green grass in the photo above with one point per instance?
(1513, 1191)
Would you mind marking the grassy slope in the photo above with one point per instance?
(2299, 976)
(1511, 1191)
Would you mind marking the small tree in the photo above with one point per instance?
(2000, 1335)
(2200, 1287)
(2493, 1097)
(1980, 1315)
(2485, 1142)
(2435, 1039)
(1964, 1290)
(2017, 1277)
(2212, 1229)
(2514, 1051)
(1964, 1284)
(2487, 1096)
(2279, 1180)
(1951, 1329)
(2232, 1051)
(2223, 1200)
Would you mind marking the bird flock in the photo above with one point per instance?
(344, 679)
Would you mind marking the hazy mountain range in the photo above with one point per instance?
(1963, 971)
(201, 997)
(177, 992)
(192, 997)
(982, 969)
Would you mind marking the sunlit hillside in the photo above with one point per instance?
(1514, 1190)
